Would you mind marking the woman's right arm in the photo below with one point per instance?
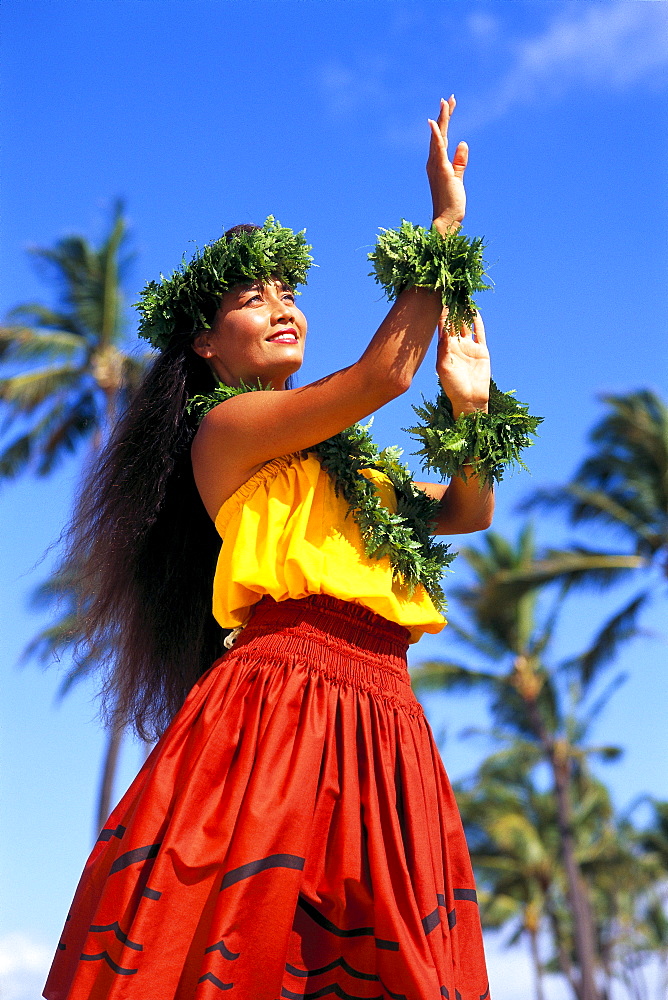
(252, 428)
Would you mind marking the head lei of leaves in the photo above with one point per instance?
(188, 300)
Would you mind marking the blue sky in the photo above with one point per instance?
(203, 114)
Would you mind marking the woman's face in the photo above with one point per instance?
(258, 332)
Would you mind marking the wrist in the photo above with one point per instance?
(465, 407)
(483, 445)
(447, 223)
(465, 404)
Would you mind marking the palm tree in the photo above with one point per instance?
(510, 832)
(550, 705)
(652, 921)
(623, 484)
(67, 373)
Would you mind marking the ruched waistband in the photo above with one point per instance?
(343, 642)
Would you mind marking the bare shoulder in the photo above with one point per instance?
(220, 465)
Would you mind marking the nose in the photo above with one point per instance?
(283, 309)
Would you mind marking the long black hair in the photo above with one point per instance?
(145, 551)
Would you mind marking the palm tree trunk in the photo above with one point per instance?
(537, 966)
(583, 924)
(108, 771)
(563, 956)
(115, 736)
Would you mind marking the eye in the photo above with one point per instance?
(289, 295)
(256, 297)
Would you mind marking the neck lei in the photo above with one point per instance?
(415, 557)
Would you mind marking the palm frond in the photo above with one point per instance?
(22, 343)
(585, 504)
(574, 567)
(623, 483)
(16, 456)
(49, 644)
(67, 427)
(24, 393)
(35, 315)
(606, 753)
(447, 676)
(602, 700)
(617, 630)
(51, 437)
(474, 640)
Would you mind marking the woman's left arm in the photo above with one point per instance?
(462, 360)
(463, 368)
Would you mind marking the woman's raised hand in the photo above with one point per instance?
(462, 366)
(446, 179)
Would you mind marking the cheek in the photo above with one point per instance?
(243, 329)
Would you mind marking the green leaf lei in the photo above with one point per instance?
(485, 442)
(412, 256)
(415, 557)
(189, 300)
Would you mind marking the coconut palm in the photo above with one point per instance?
(651, 921)
(551, 705)
(512, 828)
(511, 836)
(68, 371)
(623, 484)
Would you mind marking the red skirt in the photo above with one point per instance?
(292, 835)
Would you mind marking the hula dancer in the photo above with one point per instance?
(293, 832)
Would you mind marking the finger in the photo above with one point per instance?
(460, 159)
(443, 323)
(446, 109)
(479, 329)
(437, 140)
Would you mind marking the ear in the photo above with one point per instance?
(202, 344)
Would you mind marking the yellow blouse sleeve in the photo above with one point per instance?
(287, 534)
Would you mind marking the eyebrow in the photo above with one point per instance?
(257, 285)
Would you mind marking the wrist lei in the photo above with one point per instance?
(188, 301)
(480, 444)
(415, 557)
(414, 257)
(485, 443)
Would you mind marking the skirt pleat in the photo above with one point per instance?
(292, 835)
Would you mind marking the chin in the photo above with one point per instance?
(276, 376)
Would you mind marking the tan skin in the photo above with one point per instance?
(259, 332)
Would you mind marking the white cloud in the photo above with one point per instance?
(348, 87)
(24, 966)
(482, 25)
(603, 44)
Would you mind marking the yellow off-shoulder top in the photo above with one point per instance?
(287, 534)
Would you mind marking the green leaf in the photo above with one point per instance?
(26, 392)
(405, 537)
(414, 257)
(487, 442)
(189, 299)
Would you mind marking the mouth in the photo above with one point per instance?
(285, 336)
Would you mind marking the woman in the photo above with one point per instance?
(293, 833)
